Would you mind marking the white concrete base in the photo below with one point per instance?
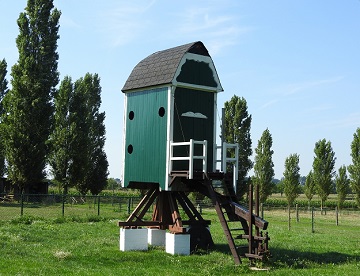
(133, 239)
(178, 244)
(156, 237)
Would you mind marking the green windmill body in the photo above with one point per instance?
(170, 148)
(170, 97)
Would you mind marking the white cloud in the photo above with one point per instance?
(320, 108)
(218, 30)
(297, 87)
(345, 121)
(350, 120)
(269, 103)
(68, 22)
(123, 23)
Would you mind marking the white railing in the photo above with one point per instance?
(191, 157)
(225, 160)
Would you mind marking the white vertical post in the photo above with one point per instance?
(205, 156)
(224, 150)
(171, 156)
(191, 160)
(236, 167)
(234, 178)
(223, 165)
(169, 134)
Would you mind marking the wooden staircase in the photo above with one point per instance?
(230, 212)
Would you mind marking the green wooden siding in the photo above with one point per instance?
(146, 122)
(186, 128)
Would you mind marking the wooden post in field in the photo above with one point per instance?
(22, 204)
(312, 220)
(129, 205)
(250, 245)
(297, 213)
(337, 215)
(289, 217)
(63, 205)
(98, 205)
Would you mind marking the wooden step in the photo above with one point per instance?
(257, 238)
(254, 256)
(237, 229)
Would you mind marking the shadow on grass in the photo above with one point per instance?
(297, 259)
(281, 257)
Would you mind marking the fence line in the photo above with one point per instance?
(57, 205)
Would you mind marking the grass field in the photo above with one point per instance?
(74, 206)
(90, 246)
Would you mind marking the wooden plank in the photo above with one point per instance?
(142, 203)
(254, 256)
(257, 238)
(241, 211)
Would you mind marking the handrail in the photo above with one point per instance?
(191, 156)
(225, 160)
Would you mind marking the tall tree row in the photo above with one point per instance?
(78, 158)
(90, 173)
(41, 125)
(28, 105)
(236, 127)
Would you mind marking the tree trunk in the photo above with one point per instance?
(321, 207)
(289, 217)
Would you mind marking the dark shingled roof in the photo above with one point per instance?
(160, 67)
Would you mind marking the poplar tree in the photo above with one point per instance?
(78, 158)
(237, 126)
(90, 169)
(292, 178)
(323, 169)
(342, 185)
(61, 139)
(264, 166)
(309, 187)
(28, 105)
(80, 146)
(354, 168)
(3, 92)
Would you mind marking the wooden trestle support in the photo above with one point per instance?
(166, 215)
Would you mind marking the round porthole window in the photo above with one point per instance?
(130, 149)
(161, 112)
(131, 115)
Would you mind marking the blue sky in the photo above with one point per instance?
(297, 63)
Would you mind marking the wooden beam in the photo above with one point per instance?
(142, 203)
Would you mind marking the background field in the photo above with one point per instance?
(89, 245)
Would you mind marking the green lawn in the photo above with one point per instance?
(90, 246)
